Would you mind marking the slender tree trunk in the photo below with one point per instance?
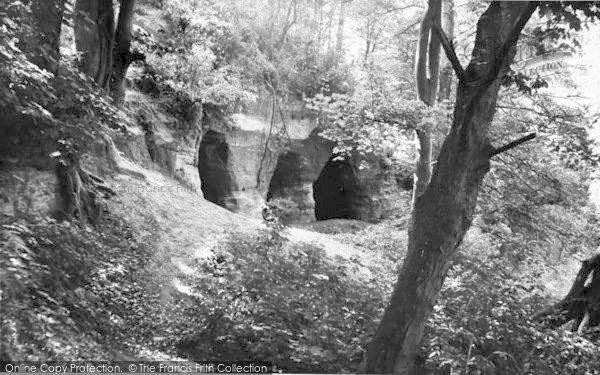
(330, 29)
(122, 56)
(94, 38)
(340, 30)
(427, 74)
(45, 41)
(447, 73)
(318, 21)
(443, 213)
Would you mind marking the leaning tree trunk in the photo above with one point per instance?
(94, 38)
(122, 56)
(442, 215)
(43, 44)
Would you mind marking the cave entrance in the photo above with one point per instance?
(286, 177)
(216, 176)
(337, 191)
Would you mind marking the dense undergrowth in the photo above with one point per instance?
(83, 293)
(484, 322)
(66, 288)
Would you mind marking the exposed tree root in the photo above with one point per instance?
(79, 189)
(582, 304)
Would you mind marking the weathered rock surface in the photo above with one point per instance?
(291, 187)
(254, 142)
(249, 163)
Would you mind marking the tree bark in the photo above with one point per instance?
(94, 38)
(442, 215)
(122, 56)
(445, 91)
(44, 43)
(427, 74)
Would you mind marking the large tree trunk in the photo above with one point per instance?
(122, 56)
(94, 38)
(442, 215)
(44, 42)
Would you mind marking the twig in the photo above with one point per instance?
(468, 355)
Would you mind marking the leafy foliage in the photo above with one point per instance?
(223, 55)
(63, 286)
(483, 322)
(380, 124)
(265, 299)
(69, 96)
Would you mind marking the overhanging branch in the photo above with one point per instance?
(512, 144)
(450, 53)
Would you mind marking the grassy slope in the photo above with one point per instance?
(153, 275)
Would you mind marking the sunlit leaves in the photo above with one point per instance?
(193, 57)
(383, 126)
(487, 314)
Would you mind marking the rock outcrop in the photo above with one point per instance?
(247, 159)
(298, 167)
(239, 161)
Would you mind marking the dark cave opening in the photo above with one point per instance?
(215, 172)
(337, 191)
(287, 175)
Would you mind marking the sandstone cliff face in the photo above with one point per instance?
(298, 167)
(237, 162)
(250, 158)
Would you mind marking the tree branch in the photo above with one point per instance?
(409, 27)
(509, 43)
(450, 53)
(512, 144)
